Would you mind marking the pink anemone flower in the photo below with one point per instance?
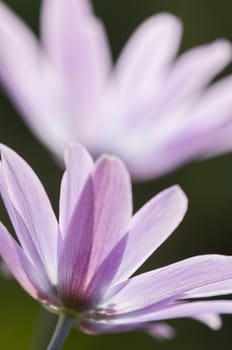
(82, 265)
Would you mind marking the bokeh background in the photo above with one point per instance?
(207, 227)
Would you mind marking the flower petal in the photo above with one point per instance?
(169, 283)
(30, 278)
(20, 227)
(211, 320)
(150, 227)
(207, 310)
(112, 210)
(95, 238)
(76, 42)
(78, 168)
(90, 326)
(171, 138)
(190, 309)
(188, 76)
(213, 289)
(148, 53)
(42, 106)
(195, 69)
(75, 250)
(170, 311)
(211, 122)
(160, 330)
(32, 204)
(206, 132)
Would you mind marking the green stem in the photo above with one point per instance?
(63, 328)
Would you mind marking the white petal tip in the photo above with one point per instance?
(181, 197)
(167, 22)
(223, 48)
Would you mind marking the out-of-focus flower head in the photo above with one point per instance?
(152, 109)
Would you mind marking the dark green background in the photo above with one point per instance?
(207, 227)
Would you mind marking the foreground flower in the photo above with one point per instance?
(153, 110)
(81, 266)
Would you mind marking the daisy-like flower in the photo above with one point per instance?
(152, 109)
(80, 266)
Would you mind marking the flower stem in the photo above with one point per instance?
(63, 328)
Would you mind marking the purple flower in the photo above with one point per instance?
(81, 265)
(154, 110)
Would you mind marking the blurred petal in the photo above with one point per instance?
(170, 282)
(160, 330)
(148, 53)
(76, 42)
(195, 69)
(214, 109)
(207, 131)
(78, 169)
(29, 198)
(183, 85)
(179, 122)
(150, 227)
(34, 88)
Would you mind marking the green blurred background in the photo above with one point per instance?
(207, 227)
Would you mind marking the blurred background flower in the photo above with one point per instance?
(208, 225)
(154, 110)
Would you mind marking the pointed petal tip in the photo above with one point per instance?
(9, 155)
(117, 166)
(111, 160)
(75, 147)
